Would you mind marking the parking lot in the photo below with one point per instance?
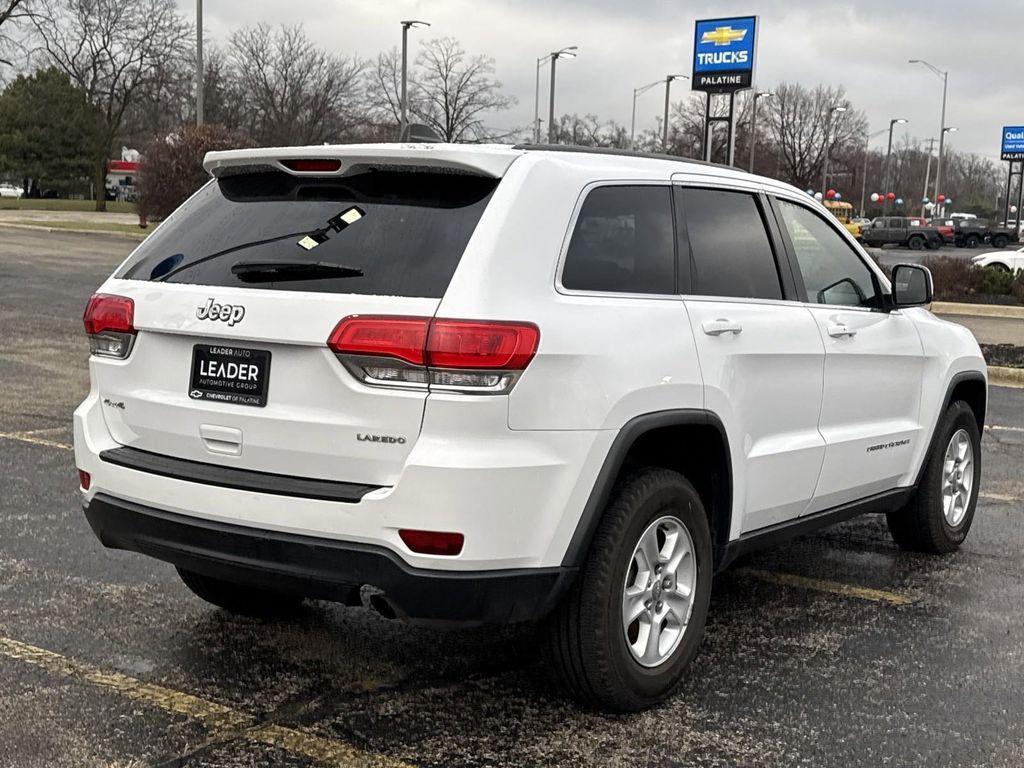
(834, 650)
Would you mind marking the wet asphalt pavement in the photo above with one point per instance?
(834, 650)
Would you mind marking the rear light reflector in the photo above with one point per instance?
(468, 344)
(84, 479)
(476, 356)
(110, 324)
(312, 165)
(433, 542)
(403, 338)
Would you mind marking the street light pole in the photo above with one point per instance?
(927, 172)
(664, 127)
(888, 157)
(569, 52)
(864, 175)
(406, 26)
(632, 121)
(753, 125)
(199, 62)
(944, 74)
(828, 137)
(565, 53)
(938, 163)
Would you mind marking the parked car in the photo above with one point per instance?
(971, 233)
(385, 375)
(945, 228)
(9, 190)
(898, 230)
(1008, 261)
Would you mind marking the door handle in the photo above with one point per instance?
(839, 330)
(720, 326)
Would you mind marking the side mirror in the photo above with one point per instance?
(911, 285)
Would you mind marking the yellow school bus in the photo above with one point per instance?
(844, 212)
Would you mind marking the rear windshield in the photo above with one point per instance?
(391, 233)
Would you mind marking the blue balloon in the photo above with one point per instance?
(838, 196)
(899, 201)
(810, 192)
(924, 199)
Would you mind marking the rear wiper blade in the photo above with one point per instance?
(280, 271)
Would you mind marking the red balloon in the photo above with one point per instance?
(941, 198)
(891, 195)
(830, 194)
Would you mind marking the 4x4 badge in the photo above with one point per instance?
(228, 313)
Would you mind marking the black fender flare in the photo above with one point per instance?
(630, 432)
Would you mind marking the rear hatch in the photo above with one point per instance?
(236, 294)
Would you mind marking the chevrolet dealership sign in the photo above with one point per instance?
(723, 54)
(1012, 147)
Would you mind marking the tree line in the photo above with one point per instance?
(100, 74)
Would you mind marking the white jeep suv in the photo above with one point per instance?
(468, 384)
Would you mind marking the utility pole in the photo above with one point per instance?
(406, 26)
(927, 173)
(664, 126)
(199, 62)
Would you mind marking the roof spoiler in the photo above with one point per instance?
(475, 160)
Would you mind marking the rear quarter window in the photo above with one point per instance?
(407, 241)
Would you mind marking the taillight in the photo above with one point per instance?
(478, 356)
(109, 323)
(312, 165)
(432, 542)
(84, 479)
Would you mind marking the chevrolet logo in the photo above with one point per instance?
(723, 35)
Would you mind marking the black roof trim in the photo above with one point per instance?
(621, 153)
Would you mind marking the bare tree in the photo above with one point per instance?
(590, 131)
(384, 89)
(797, 118)
(294, 92)
(454, 91)
(113, 50)
(12, 12)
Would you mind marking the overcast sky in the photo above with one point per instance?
(863, 45)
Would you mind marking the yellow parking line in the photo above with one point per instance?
(28, 437)
(222, 721)
(1003, 497)
(822, 585)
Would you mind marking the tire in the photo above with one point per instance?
(239, 598)
(924, 525)
(1001, 267)
(972, 241)
(587, 636)
(934, 245)
(915, 243)
(1000, 241)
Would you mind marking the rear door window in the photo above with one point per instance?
(623, 242)
(730, 250)
(377, 232)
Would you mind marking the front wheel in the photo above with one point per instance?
(940, 513)
(915, 243)
(622, 638)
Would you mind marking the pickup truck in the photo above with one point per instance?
(970, 233)
(900, 230)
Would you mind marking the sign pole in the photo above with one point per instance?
(1006, 200)
(707, 128)
(1020, 195)
(731, 157)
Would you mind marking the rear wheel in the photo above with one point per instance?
(915, 243)
(622, 638)
(972, 241)
(1000, 241)
(238, 598)
(940, 514)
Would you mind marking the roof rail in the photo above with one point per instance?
(620, 152)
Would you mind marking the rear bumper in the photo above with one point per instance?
(325, 568)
